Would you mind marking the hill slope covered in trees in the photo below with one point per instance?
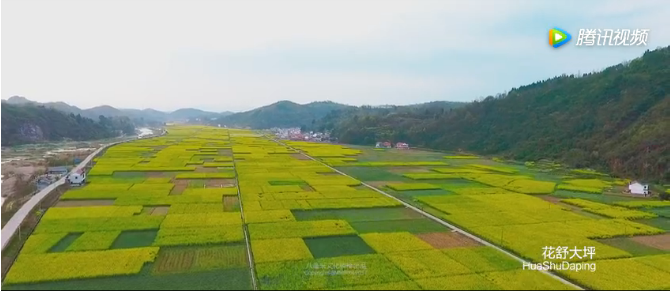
(30, 123)
(617, 119)
(280, 114)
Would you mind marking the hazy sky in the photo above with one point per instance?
(238, 55)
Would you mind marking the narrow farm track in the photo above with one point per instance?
(245, 229)
(453, 227)
(12, 227)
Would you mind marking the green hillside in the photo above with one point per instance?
(281, 114)
(30, 123)
(616, 120)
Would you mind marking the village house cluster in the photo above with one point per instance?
(295, 133)
(53, 174)
(388, 145)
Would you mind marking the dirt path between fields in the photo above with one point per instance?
(440, 221)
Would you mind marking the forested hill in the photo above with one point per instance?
(280, 114)
(30, 123)
(405, 114)
(617, 119)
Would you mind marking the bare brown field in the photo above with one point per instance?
(445, 240)
(661, 241)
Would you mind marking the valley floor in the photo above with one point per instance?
(225, 209)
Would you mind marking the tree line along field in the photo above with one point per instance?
(212, 208)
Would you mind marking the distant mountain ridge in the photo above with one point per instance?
(290, 114)
(281, 114)
(136, 114)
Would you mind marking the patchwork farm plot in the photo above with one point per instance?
(210, 208)
(524, 208)
(145, 220)
(312, 228)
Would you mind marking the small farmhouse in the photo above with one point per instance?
(77, 178)
(402, 146)
(383, 145)
(61, 170)
(638, 188)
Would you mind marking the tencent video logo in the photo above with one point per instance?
(558, 37)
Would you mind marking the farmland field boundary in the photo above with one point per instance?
(438, 220)
(26, 228)
(14, 223)
(245, 229)
(19, 218)
(12, 226)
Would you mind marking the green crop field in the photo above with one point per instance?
(336, 246)
(492, 199)
(422, 225)
(184, 208)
